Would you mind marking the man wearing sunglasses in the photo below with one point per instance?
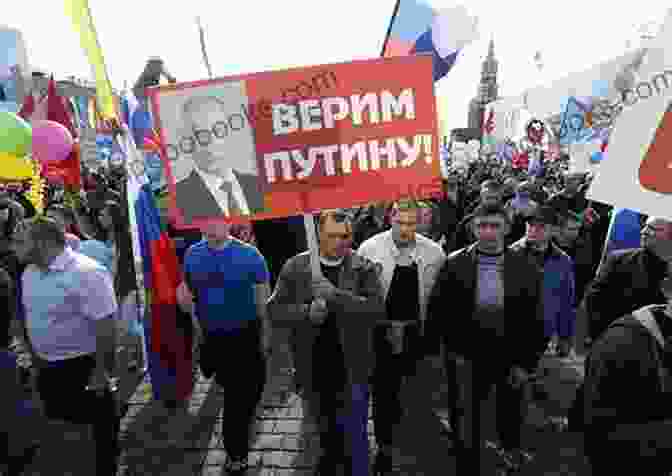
(333, 315)
(631, 431)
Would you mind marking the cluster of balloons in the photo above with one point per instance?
(46, 141)
(16, 138)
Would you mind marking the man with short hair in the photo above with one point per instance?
(558, 271)
(409, 262)
(628, 279)
(218, 183)
(451, 212)
(520, 207)
(570, 237)
(333, 314)
(484, 309)
(69, 318)
(491, 194)
(229, 281)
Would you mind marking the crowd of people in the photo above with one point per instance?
(488, 275)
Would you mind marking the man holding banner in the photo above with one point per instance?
(333, 316)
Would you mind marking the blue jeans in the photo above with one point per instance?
(347, 440)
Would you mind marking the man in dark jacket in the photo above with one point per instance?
(495, 324)
(450, 213)
(559, 302)
(631, 432)
(629, 279)
(333, 314)
(491, 193)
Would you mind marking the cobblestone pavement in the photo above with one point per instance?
(156, 441)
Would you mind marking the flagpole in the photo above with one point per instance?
(389, 27)
(201, 36)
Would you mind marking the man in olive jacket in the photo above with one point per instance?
(333, 316)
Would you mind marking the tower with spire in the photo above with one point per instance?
(488, 89)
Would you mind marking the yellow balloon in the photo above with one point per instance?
(14, 168)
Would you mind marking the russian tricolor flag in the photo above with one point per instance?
(169, 348)
(416, 27)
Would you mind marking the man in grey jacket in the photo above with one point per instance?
(333, 315)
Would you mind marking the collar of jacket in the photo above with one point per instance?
(394, 249)
(553, 250)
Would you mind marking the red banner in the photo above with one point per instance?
(278, 144)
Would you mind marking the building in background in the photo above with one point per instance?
(488, 89)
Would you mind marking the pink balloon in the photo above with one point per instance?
(52, 142)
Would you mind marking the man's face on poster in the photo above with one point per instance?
(203, 119)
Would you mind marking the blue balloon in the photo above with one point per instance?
(425, 44)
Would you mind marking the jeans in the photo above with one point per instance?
(483, 376)
(343, 429)
(62, 388)
(239, 367)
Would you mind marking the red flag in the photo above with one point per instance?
(28, 107)
(57, 111)
(489, 124)
(70, 168)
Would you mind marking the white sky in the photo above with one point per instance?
(256, 35)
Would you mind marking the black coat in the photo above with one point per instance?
(452, 301)
(194, 199)
(627, 280)
(626, 356)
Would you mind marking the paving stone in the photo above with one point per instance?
(280, 459)
(154, 442)
(268, 441)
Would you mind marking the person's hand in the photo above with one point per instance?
(185, 299)
(322, 288)
(518, 377)
(318, 311)
(99, 381)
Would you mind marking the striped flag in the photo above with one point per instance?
(169, 349)
(416, 27)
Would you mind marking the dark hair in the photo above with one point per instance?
(14, 217)
(487, 210)
(338, 216)
(125, 280)
(46, 230)
(69, 215)
(491, 185)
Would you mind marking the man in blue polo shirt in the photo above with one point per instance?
(229, 281)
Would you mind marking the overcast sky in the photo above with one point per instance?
(255, 35)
